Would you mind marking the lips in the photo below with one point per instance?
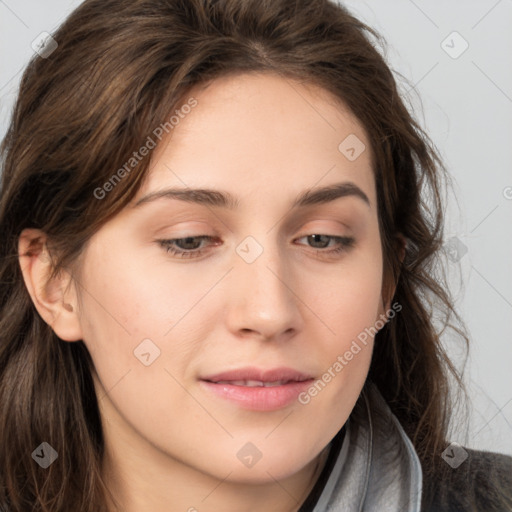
(256, 389)
(252, 377)
(254, 383)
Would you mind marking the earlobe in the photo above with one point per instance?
(402, 242)
(54, 298)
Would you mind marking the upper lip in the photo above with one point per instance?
(258, 374)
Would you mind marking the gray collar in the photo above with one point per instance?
(377, 468)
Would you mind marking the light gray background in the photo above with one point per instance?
(465, 103)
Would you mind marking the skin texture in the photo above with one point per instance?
(264, 139)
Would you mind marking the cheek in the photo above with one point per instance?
(139, 297)
(345, 356)
(347, 300)
(127, 301)
(348, 306)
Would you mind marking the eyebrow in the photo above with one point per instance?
(223, 199)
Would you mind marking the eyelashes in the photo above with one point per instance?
(171, 246)
(190, 248)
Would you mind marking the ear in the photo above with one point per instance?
(55, 300)
(388, 288)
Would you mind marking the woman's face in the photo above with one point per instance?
(253, 291)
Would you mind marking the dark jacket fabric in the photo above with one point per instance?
(482, 483)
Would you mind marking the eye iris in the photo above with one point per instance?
(195, 242)
(316, 238)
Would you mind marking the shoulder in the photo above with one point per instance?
(483, 481)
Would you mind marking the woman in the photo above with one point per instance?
(221, 235)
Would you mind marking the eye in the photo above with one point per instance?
(193, 247)
(190, 247)
(320, 242)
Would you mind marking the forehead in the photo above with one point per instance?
(262, 133)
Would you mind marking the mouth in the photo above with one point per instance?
(256, 389)
(253, 376)
(255, 383)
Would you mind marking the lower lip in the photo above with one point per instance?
(259, 398)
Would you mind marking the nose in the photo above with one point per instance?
(263, 301)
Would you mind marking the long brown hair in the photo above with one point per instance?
(120, 68)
